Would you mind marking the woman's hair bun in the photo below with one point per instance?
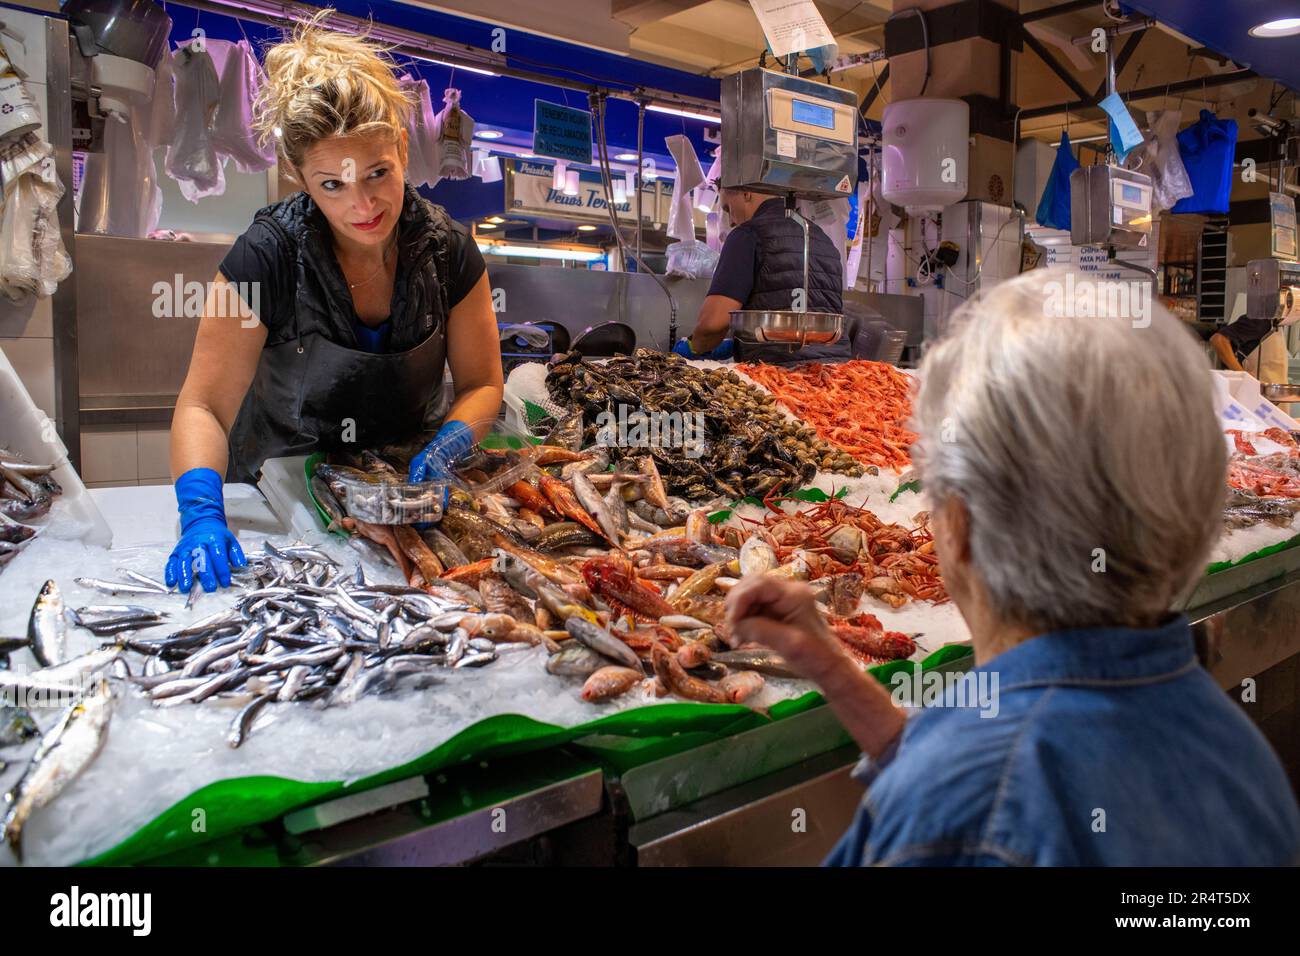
(321, 83)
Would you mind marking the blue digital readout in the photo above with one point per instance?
(813, 114)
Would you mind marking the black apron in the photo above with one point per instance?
(313, 394)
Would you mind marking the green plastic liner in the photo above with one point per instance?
(649, 733)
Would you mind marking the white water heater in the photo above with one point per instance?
(926, 153)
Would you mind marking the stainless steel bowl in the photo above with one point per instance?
(1281, 392)
(786, 328)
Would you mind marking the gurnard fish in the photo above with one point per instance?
(673, 677)
(615, 581)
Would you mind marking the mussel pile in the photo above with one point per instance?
(747, 446)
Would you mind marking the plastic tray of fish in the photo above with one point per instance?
(390, 503)
(376, 494)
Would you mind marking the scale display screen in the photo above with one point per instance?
(1130, 194)
(814, 114)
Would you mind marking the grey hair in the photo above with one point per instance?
(1064, 433)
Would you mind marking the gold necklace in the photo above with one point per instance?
(383, 264)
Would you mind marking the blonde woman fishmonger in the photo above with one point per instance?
(364, 291)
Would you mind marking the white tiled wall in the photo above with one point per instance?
(117, 455)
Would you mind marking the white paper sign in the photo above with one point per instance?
(791, 26)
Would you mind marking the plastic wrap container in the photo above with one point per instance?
(24, 428)
(502, 457)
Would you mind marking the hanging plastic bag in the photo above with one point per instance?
(1054, 206)
(421, 146)
(232, 129)
(160, 124)
(19, 114)
(691, 259)
(486, 166)
(1158, 158)
(454, 131)
(192, 158)
(120, 195)
(32, 258)
(681, 217)
(1207, 149)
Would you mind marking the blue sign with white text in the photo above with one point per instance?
(561, 132)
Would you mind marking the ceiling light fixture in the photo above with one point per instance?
(689, 114)
(539, 252)
(1286, 27)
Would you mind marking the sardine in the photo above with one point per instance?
(46, 629)
(69, 749)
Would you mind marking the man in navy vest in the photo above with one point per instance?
(761, 267)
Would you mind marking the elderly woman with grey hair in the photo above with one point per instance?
(1075, 470)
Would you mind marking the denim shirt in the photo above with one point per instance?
(1099, 747)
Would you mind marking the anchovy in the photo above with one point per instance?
(117, 587)
(243, 722)
(145, 581)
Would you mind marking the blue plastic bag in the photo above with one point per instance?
(1207, 149)
(1054, 206)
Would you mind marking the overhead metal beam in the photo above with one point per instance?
(1054, 65)
(636, 13)
(421, 46)
(1182, 86)
(1059, 10)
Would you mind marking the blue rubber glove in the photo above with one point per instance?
(207, 550)
(454, 439)
(725, 350)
